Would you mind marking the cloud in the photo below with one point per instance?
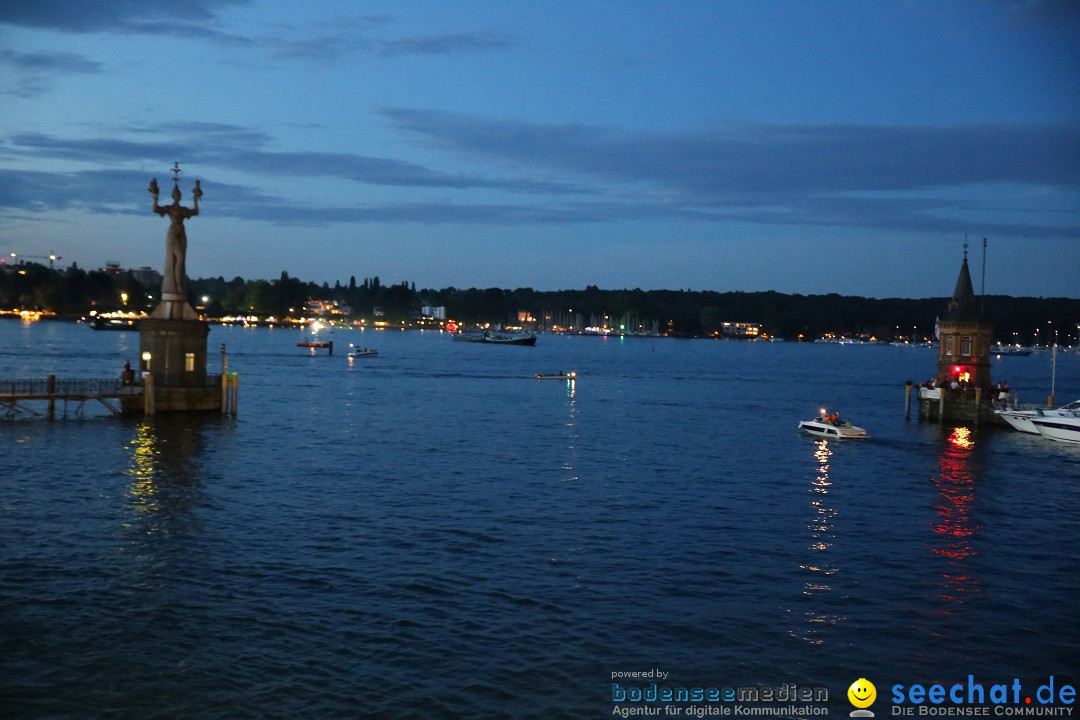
(1060, 15)
(190, 18)
(1013, 180)
(239, 150)
(445, 44)
(33, 70)
(766, 162)
(125, 192)
(102, 191)
(49, 62)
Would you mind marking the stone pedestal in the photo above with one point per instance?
(174, 352)
(174, 306)
(958, 406)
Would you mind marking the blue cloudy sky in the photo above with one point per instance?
(803, 146)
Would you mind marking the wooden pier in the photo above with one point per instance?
(40, 398)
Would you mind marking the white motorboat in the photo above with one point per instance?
(362, 352)
(825, 426)
(1020, 418)
(1063, 428)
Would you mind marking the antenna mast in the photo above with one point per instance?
(983, 291)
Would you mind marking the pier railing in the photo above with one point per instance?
(75, 387)
(17, 397)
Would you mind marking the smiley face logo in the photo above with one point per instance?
(862, 693)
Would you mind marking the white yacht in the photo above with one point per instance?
(1064, 428)
(1020, 418)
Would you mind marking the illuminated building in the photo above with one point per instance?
(964, 337)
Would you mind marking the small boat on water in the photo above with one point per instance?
(1063, 428)
(114, 320)
(831, 427)
(557, 376)
(103, 323)
(317, 335)
(497, 337)
(1010, 350)
(362, 352)
(1021, 418)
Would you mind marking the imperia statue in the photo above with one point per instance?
(174, 280)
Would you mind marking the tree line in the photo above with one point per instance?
(75, 292)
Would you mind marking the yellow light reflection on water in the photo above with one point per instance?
(819, 565)
(572, 430)
(961, 437)
(143, 471)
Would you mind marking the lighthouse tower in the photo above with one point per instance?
(964, 338)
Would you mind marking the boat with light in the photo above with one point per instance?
(103, 323)
(114, 320)
(316, 336)
(1010, 351)
(557, 376)
(1063, 428)
(824, 426)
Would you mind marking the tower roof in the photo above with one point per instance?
(964, 306)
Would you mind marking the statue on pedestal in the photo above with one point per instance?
(174, 280)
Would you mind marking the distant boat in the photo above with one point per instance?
(496, 337)
(557, 376)
(310, 337)
(99, 322)
(363, 352)
(1014, 350)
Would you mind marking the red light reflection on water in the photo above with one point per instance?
(955, 525)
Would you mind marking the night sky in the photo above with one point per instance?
(798, 146)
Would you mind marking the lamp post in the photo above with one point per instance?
(51, 257)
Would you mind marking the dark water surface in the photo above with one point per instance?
(433, 533)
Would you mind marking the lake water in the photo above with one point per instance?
(433, 533)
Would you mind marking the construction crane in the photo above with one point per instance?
(51, 257)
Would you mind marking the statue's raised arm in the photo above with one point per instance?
(155, 192)
(196, 194)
